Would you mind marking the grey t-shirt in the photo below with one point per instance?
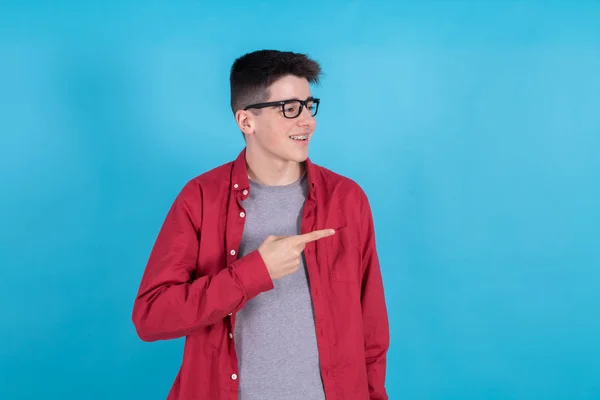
(275, 332)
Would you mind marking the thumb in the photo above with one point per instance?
(273, 238)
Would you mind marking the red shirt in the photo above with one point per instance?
(194, 284)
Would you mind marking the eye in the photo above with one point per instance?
(291, 108)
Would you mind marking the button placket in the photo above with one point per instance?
(233, 252)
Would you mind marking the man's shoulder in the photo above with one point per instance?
(337, 182)
(214, 179)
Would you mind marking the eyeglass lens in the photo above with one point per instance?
(293, 108)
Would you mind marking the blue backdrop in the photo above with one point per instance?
(473, 127)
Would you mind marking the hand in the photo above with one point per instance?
(281, 254)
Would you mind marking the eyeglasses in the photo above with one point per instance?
(291, 108)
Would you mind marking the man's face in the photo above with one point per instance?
(273, 132)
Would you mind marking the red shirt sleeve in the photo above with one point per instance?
(374, 311)
(170, 303)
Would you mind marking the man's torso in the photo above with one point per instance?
(274, 335)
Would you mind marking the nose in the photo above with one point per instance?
(306, 118)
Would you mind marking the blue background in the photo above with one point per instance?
(473, 127)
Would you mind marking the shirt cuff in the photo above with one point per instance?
(253, 273)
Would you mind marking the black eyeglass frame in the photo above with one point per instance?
(282, 103)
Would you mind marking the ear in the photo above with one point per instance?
(245, 121)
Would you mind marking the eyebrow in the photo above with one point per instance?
(295, 98)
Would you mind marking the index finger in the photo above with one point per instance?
(314, 235)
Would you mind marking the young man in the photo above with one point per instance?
(268, 264)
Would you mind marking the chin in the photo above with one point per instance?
(298, 157)
(294, 158)
(301, 159)
(289, 153)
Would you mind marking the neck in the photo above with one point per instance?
(272, 171)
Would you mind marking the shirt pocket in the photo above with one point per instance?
(343, 256)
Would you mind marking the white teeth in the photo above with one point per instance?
(302, 137)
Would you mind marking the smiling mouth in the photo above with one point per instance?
(299, 137)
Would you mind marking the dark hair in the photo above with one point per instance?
(253, 73)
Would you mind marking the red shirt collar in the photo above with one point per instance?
(240, 179)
